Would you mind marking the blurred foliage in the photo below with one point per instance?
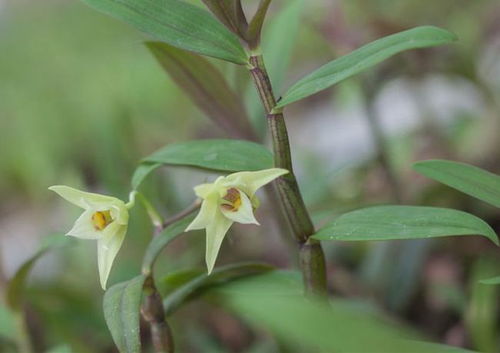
(82, 100)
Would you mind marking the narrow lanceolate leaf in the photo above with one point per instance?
(121, 306)
(142, 171)
(255, 26)
(206, 87)
(16, 285)
(471, 180)
(363, 58)
(317, 326)
(162, 240)
(404, 222)
(221, 155)
(200, 284)
(178, 23)
(493, 280)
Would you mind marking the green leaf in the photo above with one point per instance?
(221, 155)
(121, 306)
(163, 239)
(203, 282)
(63, 348)
(316, 326)
(206, 87)
(142, 171)
(363, 58)
(16, 285)
(404, 222)
(178, 23)
(255, 26)
(470, 180)
(493, 280)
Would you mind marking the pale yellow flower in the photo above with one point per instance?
(229, 199)
(105, 219)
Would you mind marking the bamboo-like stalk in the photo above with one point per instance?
(153, 312)
(312, 260)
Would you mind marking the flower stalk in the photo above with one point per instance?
(312, 259)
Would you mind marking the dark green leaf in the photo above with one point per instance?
(206, 87)
(404, 222)
(493, 280)
(470, 180)
(363, 58)
(161, 240)
(121, 306)
(255, 26)
(176, 279)
(221, 155)
(316, 326)
(178, 23)
(16, 285)
(142, 172)
(203, 282)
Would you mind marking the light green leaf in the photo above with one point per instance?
(316, 326)
(16, 285)
(206, 87)
(470, 180)
(404, 222)
(200, 284)
(364, 58)
(142, 171)
(178, 23)
(163, 239)
(221, 155)
(121, 306)
(493, 280)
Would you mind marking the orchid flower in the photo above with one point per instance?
(105, 219)
(229, 199)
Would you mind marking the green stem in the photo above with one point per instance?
(22, 333)
(311, 254)
(153, 312)
(153, 214)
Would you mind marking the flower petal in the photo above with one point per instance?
(250, 182)
(206, 215)
(107, 249)
(244, 214)
(203, 190)
(216, 232)
(84, 228)
(80, 198)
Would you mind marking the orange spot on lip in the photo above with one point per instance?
(101, 219)
(233, 197)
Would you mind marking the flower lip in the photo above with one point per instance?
(101, 219)
(232, 200)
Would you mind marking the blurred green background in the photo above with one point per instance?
(82, 100)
